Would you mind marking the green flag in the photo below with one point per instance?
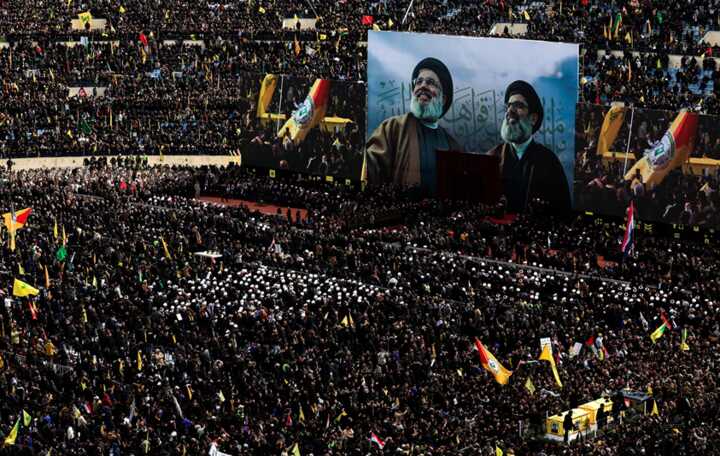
(26, 419)
(658, 333)
(12, 436)
(61, 253)
(85, 128)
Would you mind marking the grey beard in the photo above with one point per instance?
(429, 112)
(516, 133)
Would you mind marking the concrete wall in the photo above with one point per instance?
(712, 38)
(516, 29)
(73, 91)
(95, 24)
(305, 24)
(75, 162)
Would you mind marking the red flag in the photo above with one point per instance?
(368, 20)
(143, 39)
(33, 312)
(590, 341)
(665, 320)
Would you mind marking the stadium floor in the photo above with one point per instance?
(268, 209)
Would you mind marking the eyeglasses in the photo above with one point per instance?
(516, 106)
(428, 82)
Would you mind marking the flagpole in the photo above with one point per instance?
(277, 121)
(407, 11)
(627, 147)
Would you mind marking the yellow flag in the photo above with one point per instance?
(12, 436)
(547, 356)
(498, 451)
(189, 391)
(55, 230)
(85, 17)
(390, 23)
(529, 386)
(296, 450)
(26, 418)
(47, 278)
(491, 364)
(301, 418)
(298, 49)
(165, 247)
(683, 342)
(267, 89)
(376, 27)
(22, 289)
(64, 236)
(345, 322)
(526, 15)
(323, 37)
(658, 333)
(221, 396)
(342, 414)
(139, 360)
(610, 128)
(21, 270)
(261, 10)
(655, 411)
(121, 10)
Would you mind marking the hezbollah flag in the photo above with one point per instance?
(670, 152)
(491, 364)
(85, 17)
(546, 355)
(658, 332)
(610, 128)
(309, 114)
(12, 436)
(267, 89)
(22, 289)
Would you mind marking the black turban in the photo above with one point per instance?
(533, 101)
(430, 63)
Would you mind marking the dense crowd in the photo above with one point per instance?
(178, 98)
(320, 331)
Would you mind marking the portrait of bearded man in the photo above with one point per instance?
(402, 148)
(528, 169)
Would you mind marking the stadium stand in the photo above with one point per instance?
(139, 319)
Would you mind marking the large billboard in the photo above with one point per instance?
(513, 99)
(313, 126)
(666, 162)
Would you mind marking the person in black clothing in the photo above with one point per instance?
(568, 425)
(529, 170)
(601, 417)
(618, 405)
